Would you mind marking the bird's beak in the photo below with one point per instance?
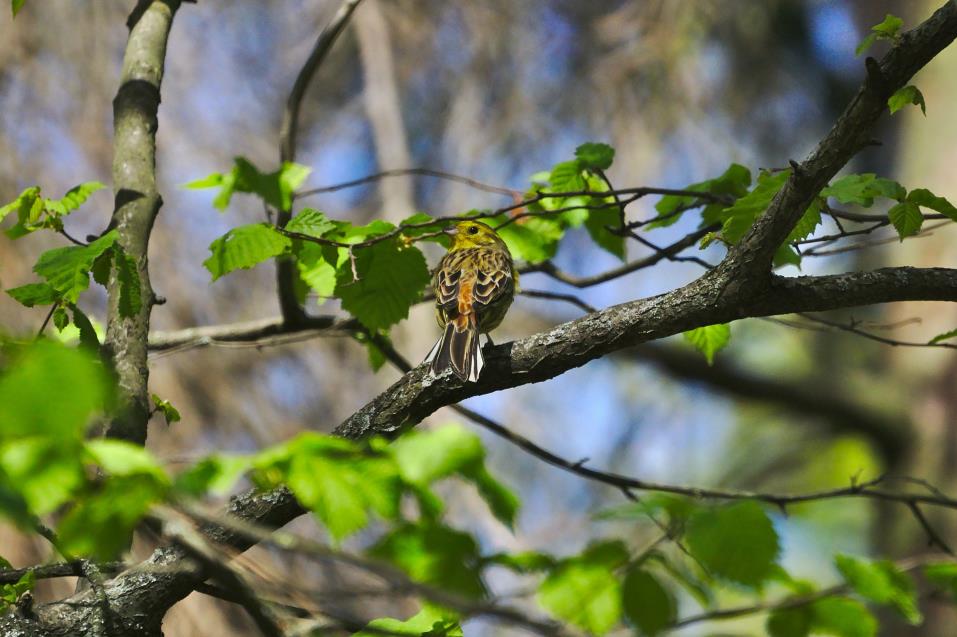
(451, 231)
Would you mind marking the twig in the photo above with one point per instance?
(401, 172)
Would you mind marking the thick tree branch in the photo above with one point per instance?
(706, 301)
(137, 203)
(751, 258)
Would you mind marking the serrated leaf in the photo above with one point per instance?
(739, 217)
(735, 182)
(67, 270)
(60, 319)
(130, 301)
(310, 222)
(88, 333)
(567, 176)
(807, 224)
(786, 255)
(33, 294)
(736, 542)
(595, 155)
(317, 272)
(165, 407)
(889, 26)
(434, 554)
(710, 339)
(391, 278)
(647, 604)
(842, 617)
(275, 188)
(943, 337)
(23, 204)
(244, 247)
(926, 199)
(881, 582)
(584, 590)
(862, 189)
(907, 219)
(73, 199)
(910, 94)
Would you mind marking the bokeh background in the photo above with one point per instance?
(497, 90)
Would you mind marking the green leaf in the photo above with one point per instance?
(524, 562)
(244, 247)
(426, 456)
(89, 338)
(881, 582)
(861, 189)
(908, 95)
(391, 278)
(597, 224)
(710, 339)
(807, 224)
(34, 294)
(316, 270)
(51, 390)
(942, 337)
(73, 199)
(533, 239)
(27, 205)
(736, 542)
(60, 319)
(310, 222)
(434, 554)
(595, 155)
(865, 44)
(67, 270)
(100, 526)
(429, 622)
(275, 188)
(215, 474)
(16, 5)
(739, 217)
(130, 301)
(165, 407)
(889, 26)
(122, 458)
(789, 622)
(944, 575)
(842, 617)
(567, 177)
(886, 30)
(46, 472)
(786, 255)
(584, 590)
(907, 219)
(926, 199)
(735, 182)
(647, 604)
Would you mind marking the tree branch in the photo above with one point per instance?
(137, 202)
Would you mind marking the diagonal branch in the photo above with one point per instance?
(751, 258)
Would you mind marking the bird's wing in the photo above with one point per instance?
(493, 278)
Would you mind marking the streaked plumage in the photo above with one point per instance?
(474, 285)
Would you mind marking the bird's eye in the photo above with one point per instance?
(473, 229)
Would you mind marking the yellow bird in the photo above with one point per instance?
(474, 285)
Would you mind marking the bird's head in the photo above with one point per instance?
(472, 234)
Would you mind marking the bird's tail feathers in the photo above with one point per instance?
(458, 349)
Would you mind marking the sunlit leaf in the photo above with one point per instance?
(244, 247)
(735, 542)
(908, 95)
(710, 339)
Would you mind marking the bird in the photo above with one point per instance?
(474, 285)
